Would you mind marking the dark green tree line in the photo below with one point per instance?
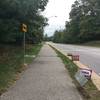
(84, 22)
(15, 12)
(58, 36)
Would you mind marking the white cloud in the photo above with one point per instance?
(59, 8)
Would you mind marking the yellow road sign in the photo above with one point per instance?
(24, 28)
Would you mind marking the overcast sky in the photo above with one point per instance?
(59, 8)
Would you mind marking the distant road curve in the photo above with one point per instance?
(89, 56)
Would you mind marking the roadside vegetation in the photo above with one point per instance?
(14, 13)
(11, 63)
(93, 43)
(84, 23)
(89, 91)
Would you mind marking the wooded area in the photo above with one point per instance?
(84, 24)
(13, 13)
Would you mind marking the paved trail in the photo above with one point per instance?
(45, 79)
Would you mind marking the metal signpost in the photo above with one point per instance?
(24, 30)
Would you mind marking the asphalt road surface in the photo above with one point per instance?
(89, 56)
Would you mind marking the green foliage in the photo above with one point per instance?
(11, 63)
(58, 36)
(15, 12)
(84, 22)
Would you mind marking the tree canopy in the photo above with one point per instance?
(15, 12)
(84, 22)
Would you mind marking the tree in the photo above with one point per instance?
(15, 12)
(84, 22)
(58, 36)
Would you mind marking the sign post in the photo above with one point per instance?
(24, 30)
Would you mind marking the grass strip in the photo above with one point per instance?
(11, 63)
(32, 50)
(89, 91)
(91, 44)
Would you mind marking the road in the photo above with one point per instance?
(89, 56)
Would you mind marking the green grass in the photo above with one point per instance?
(89, 91)
(71, 67)
(32, 50)
(11, 63)
(92, 43)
